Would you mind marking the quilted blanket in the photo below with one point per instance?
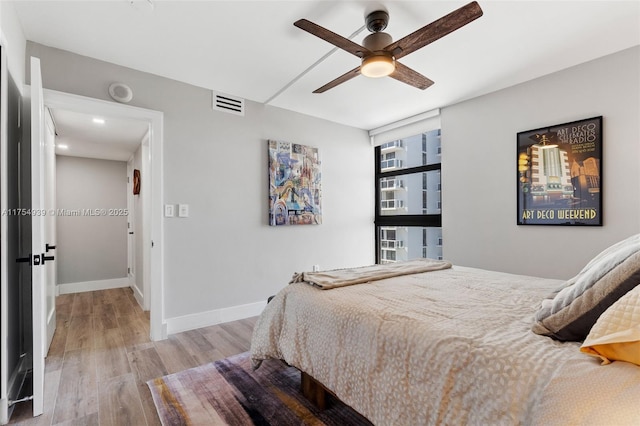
(452, 346)
(327, 280)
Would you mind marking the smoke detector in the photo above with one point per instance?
(120, 92)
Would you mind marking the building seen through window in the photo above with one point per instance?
(408, 198)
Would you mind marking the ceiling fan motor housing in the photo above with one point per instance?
(377, 41)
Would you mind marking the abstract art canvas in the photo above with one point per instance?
(295, 191)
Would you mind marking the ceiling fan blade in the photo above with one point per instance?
(435, 30)
(410, 77)
(331, 37)
(344, 77)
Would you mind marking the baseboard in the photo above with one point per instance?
(216, 316)
(92, 285)
(137, 293)
(4, 411)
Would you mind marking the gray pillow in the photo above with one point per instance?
(570, 314)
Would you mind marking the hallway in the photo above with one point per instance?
(101, 356)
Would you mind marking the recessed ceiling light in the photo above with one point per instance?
(62, 146)
(98, 120)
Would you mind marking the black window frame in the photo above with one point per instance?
(417, 220)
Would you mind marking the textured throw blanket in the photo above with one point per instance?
(326, 280)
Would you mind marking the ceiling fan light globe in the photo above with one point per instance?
(377, 66)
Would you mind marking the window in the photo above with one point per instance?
(408, 198)
(388, 256)
(389, 234)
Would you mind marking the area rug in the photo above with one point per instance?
(229, 392)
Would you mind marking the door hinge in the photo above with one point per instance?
(128, 270)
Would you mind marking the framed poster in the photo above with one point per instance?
(559, 172)
(295, 192)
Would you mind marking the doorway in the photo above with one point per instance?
(151, 221)
(93, 217)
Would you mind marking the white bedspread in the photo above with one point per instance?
(444, 347)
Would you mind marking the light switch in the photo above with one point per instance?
(169, 210)
(183, 210)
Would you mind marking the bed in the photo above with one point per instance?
(454, 345)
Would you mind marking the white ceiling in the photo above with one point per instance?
(77, 135)
(251, 48)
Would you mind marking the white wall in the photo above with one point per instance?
(91, 247)
(225, 254)
(13, 41)
(479, 168)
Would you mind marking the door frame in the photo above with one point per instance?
(4, 294)
(38, 225)
(153, 249)
(130, 226)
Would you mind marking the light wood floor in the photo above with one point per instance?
(101, 358)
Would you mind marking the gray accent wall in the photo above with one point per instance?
(92, 232)
(225, 254)
(479, 168)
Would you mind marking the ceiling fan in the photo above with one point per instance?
(380, 55)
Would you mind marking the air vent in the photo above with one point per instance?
(226, 103)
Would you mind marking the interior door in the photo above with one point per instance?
(16, 349)
(4, 293)
(38, 227)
